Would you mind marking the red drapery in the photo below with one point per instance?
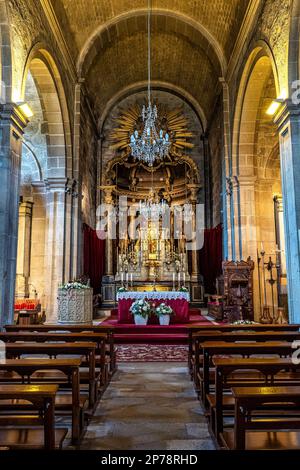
(211, 258)
(93, 257)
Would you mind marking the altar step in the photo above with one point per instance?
(154, 334)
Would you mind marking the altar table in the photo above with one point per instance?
(179, 301)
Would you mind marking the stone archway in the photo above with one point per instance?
(254, 186)
(46, 147)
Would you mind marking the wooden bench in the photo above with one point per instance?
(248, 349)
(16, 350)
(273, 371)
(25, 368)
(105, 329)
(268, 434)
(98, 338)
(42, 398)
(227, 327)
(234, 336)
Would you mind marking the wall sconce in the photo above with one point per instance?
(26, 109)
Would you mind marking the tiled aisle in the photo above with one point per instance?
(149, 406)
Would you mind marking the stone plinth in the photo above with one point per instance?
(75, 306)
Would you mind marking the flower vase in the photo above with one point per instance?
(164, 320)
(139, 320)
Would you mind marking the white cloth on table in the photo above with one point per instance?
(162, 295)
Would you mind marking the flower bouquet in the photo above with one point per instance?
(164, 312)
(141, 310)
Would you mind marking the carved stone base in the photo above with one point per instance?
(75, 306)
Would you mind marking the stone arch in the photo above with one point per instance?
(89, 50)
(156, 85)
(255, 149)
(5, 55)
(47, 78)
(259, 59)
(48, 148)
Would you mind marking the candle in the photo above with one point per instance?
(131, 279)
(122, 277)
(184, 279)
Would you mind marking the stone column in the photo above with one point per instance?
(12, 124)
(24, 249)
(288, 121)
(228, 196)
(55, 243)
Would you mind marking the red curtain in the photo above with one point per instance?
(211, 258)
(93, 257)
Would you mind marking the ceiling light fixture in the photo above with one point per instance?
(150, 145)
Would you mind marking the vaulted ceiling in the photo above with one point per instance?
(192, 42)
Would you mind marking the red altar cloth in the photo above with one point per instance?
(179, 306)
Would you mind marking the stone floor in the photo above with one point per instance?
(149, 406)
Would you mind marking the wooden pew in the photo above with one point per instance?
(268, 368)
(247, 434)
(234, 336)
(105, 329)
(15, 350)
(70, 367)
(212, 348)
(42, 398)
(98, 338)
(227, 327)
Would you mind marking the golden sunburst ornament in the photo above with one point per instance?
(173, 122)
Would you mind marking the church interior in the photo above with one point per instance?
(150, 225)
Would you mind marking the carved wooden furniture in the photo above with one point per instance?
(238, 290)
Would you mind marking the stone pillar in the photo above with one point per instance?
(55, 243)
(12, 124)
(228, 196)
(24, 249)
(38, 276)
(288, 121)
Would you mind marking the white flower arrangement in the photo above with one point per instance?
(163, 309)
(244, 322)
(141, 308)
(74, 285)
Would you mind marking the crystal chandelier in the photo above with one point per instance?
(150, 145)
